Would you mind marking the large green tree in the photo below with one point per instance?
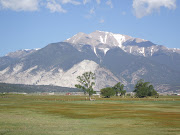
(107, 92)
(119, 88)
(144, 89)
(86, 83)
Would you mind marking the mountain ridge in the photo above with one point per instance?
(113, 59)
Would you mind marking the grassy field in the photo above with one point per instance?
(72, 115)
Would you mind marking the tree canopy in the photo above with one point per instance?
(119, 88)
(107, 92)
(86, 83)
(144, 89)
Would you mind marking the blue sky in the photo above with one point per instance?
(28, 24)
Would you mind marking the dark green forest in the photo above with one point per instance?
(21, 88)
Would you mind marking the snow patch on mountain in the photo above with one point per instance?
(120, 39)
(105, 50)
(101, 39)
(130, 49)
(95, 51)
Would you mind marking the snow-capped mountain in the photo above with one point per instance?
(107, 40)
(113, 57)
(101, 42)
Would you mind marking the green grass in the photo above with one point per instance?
(72, 115)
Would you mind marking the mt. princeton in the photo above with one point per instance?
(112, 57)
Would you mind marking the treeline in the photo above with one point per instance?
(87, 81)
(117, 89)
(21, 88)
(142, 89)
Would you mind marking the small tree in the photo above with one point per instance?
(144, 89)
(107, 92)
(119, 88)
(122, 91)
(86, 83)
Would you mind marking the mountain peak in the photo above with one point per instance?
(104, 40)
(99, 37)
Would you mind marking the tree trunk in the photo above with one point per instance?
(89, 97)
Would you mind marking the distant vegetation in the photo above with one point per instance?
(86, 83)
(144, 89)
(21, 88)
(117, 89)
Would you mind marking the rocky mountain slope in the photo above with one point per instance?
(113, 57)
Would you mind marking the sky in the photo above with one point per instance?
(29, 24)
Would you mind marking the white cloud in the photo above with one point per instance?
(92, 11)
(145, 7)
(123, 13)
(109, 3)
(101, 21)
(70, 1)
(55, 7)
(52, 5)
(86, 1)
(88, 16)
(98, 1)
(20, 5)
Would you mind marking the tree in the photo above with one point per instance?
(86, 83)
(122, 93)
(151, 91)
(144, 89)
(107, 92)
(119, 88)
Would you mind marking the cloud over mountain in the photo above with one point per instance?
(141, 7)
(145, 7)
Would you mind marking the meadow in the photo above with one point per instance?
(72, 115)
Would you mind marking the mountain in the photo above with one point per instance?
(106, 40)
(21, 53)
(113, 57)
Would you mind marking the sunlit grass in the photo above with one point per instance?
(72, 115)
